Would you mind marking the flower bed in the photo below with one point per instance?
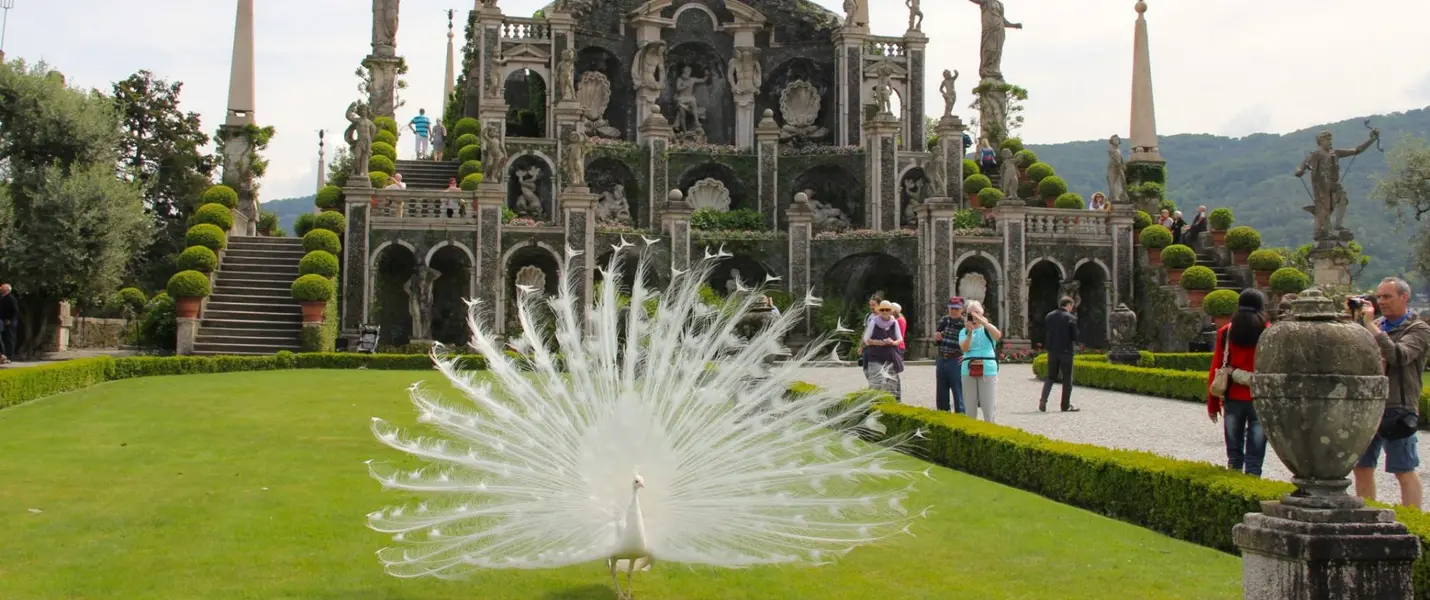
(865, 234)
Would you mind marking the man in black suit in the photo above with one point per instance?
(9, 322)
(1062, 336)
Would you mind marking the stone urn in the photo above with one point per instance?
(1319, 392)
(756, 320)
(1124, 329)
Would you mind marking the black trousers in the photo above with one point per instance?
(7, 341)
(1060, 367)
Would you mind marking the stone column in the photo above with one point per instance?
(950, 152)
(675, 222)
(656, 134)
(187, 336)
(915, 43)
(62, 333)
(357, 276)
(850, 78)
(1123, 268)
(936, 258)
(382, 93)
(768, 153)
(801, 232)
(1015, 276)
(579, 215)
(489, 24)
(881, 204)
(491, 197)
(744, 33)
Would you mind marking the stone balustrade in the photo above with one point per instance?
(520, 29)
(1063, 223)
(885, 46)
(422, 207)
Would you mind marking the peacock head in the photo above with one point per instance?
(638, 483)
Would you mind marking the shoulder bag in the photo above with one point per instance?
(975, 365)
(1222, 380)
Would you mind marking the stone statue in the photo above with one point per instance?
(1070, 289)
(573, 157)
(746, 74)
(936, 170)
(1008, 174)
(884, 91)
(949, 92)
(799, 105)
(384, 26)
(359, 137)
(613, 208)
(496, 75)
(732, 284)
(649, 65)
(689, 114)
(914, 191)
(973, 286)
(916, 15)
(826, 217)
(1329, 195)
(990, 64)
(856, 13)
(595, 96)
(1116, 172)
(419, 300)
(530, 280)
(528, 204)
(566, 74)
(493, 155)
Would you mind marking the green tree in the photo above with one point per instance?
(68, 225)
(162, 151)
(1406, 189)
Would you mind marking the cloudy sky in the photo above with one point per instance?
(1228, 67)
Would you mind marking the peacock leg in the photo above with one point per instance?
(615, 579)
(630, 574)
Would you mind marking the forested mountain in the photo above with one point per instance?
(288, 210)
(1253, 176)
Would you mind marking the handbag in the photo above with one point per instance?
(975, 365)
(1221, 381)
(1398, 422)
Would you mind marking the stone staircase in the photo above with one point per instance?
(252, 310)
(426, 174)
(1224, 280)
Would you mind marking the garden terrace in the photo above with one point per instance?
(422, 209)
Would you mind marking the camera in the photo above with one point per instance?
(1355, 303)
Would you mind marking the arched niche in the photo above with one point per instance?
(801, 69)
(1093, 303)
(848, 285)
(392, 267)
(740, 195)
(620, 112)
(450, 293)
(700, 61)
(830, 185)
(604, 174)
(913, 189)
(530, 188)
(1045, 279)
(525, 93)
(751, 273)
(987, 290)
(521, 264)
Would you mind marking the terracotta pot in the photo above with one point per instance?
(1022, 174)
(1219, 238)
(973, 201)
(313, 311)
(1195, 297)
(1239, 257)
(1050, 202)
(1174, 276)
(1136, 237)
(1221, 320)
(187, 308)
(1263, 279)
(1154, 256)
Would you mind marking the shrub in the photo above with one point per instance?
(1198, 278)
(1156, 236)
(1012, 143)
(208, 236)
(1264, 260)
(385, 149)
(213, 214)
(744, 219)
(18, 386)
(989, 197)
(386, 137)
(1052, 187)
(330, 197)
(322, 239)
(1178, 256)
(188, 284)
(1027, 189)
(159, 328)
(1141, 220)
(387, 124)
(976, 183)
(1288, 280)
(1220, 219)
(469, 153)
(1070, 200)
(1242, 239)
(969, 167)
(1220, 303)
(381, 164)
(319, 262)
(219, 194)
(1168, 206)
(467, 126)
(467, 168)
(303, 224)
(132, 299)
(1039, 171)
(331, 221)
(197, 258)
(379, 179)
(268, 224)
(471, 182)
(465, 140)
(313, 288)
(1025, 158)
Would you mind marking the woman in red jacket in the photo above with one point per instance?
(1236, 349)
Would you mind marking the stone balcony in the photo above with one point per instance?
(423, 209)
(1081, 225)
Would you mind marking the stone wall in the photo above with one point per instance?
(89, 333)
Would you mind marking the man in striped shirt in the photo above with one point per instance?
(421, 126)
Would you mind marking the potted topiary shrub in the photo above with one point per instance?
(313, 292)
(329, 198)
(1177, 258)
(1024, 159)
(1198, 281)
(208, 236)
(969, 167)
(331, 221)
(988, 198)
(974, 184)
(214, 214)
(1039, 171)
(1263, 263)
(219, 194)
(1069, 201)
(197, 258)
(1154, 239)
(1242, 241)
(1289, 280)
(1140, 220)
(322, 239)
(1050, 188)
(1218, 222)
(1220, 305)
(188, 289)
(319, 262)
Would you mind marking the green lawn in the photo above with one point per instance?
(252, 485)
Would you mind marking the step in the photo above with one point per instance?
(260, 313)
(283, 308)
(204, 339)
(263, 243)
(255, 332)
(254, 258)
(243, 349)
(211, 321)
(268, 265)
(252, 296)
(256, 278)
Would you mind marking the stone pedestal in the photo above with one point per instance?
(1330, 268)
(568, 118)
(1015, 267)
(579, 215)
(992, 112)
(355, 296)
(1123, 323)
(850, 79)
(915, 43)
(656, 134)
(950, 152)
(1123, 271)
(675, 222)
(62, 332)
(188, 335)
(881, 204)
(238, 174)
(936, 259)
(767, 151)
(1292, 553)
(382, 93)
(491, 197)
(801, 232)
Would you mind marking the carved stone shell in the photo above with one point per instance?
(594, 93)
(799, 103)
(709, 193)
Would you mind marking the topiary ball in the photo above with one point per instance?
(1199, 278)
(1027, 189)
(1141, 220)
(387, 124)
(303, 224)
(1039, 171)
(1288, 280)
(1220, 303)
(197, 258)
(1012, 143)
(989, 197)
(467, 168)
(313, 288)
(1025, 158)
(213, 214)
(385, 149)
(1242, 239)
(969, 167)
(322, 239)
(471, 182)
(386, 137)
(206, 235)
(331, 221)
(1178, 256)
(1220, 219)
(379, 179)
(219, 194)
(1156, 236)
(381, 164)
(319, 262)
(1265, 260)
(133, 298)
(463, 141)
(467, 126)
(469, 153)
(329, 198)
(976, 183)
(1070, 200)
(1052, 187)
(188, 284)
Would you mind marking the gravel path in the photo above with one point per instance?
(1111, 419)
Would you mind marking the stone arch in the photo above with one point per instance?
(525, 93)
(800, 69)
(986, 264)
(1095, 301)
(1062, 271)
(715, 96)
(392, 264)
(848, 283)
(536, 254)
(605, 173)
(377, 252)
(714, 19)
(451, 290)
(545, 190)
(740, 195)
(831, 184)
(1045, 279)
(446, 243)
(620, 111)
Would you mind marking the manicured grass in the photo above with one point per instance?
(252, 485)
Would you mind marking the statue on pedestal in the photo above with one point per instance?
(825, 216)
(990, 64)
(1008, 174)
(649, 65)
(856, 13)
(528, 204)
(566, 75)
(613, 208)
(573, 157)
(689, 114)
(1116, 172)
(884, 91)
(493, 155)
(746, 74)
(419, 300)
(496, 75)
(1326, 190)
(384, 27)
(359, 137)
(916, 15)
(949, 92)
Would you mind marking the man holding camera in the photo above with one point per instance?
(1403, 340)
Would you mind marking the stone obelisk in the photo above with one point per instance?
(1144, 111)
(237, 166)
(450, 82)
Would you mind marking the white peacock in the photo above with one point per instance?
(651, 437)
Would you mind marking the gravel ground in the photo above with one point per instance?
(1110, 419)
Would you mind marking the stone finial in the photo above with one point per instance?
(1141, 7)
(675, 196)
(801, 198)
(1314, 305)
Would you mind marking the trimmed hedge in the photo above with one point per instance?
(467, 168)
(303, 224)
(1025, 158)
(465, 126)
(387, 124)
(989, 197)
(322, 239)
(206, 235)
(1289, 280)
(331, 221)
(471, 182)
(969, 167)
(329, 198)
(1141, 220)
(1156, 236)
(219, 194)
(381, 164)
(1243, 239)
(385, 149)
(469, 153)
(214, 214)
(1220, 303)
(386, 137)
(1039, 171)
(197, 258)
(318, 262)
(467, 139)
(188, 284)
(1199, 278)
(1052, 187)
(1070, 201)
(976, 183)
(1220, 219)
(313, 288)
(1265, 260)
(1178, 256)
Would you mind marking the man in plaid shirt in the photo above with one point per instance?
(950, 357)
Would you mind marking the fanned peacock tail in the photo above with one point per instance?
(537, 471)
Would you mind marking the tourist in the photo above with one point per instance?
(774, 310)
(874, 301)
(439, 140)
(1403, 341)
(1199, 224)
(903, 326)
(1060, 343)
(421, 126)
(988, 159)
(1178, 225)
(882, 360)
(950, 356)
(979, 340)
(1099, 202)
(1165, 219)
(1235, 350)
(9, 323)
(395, 182)
(451, 206)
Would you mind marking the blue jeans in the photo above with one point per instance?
(1401, 456)
(1245, 440)
(948, 377)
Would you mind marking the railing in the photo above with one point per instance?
(423, 207)
(885, 46)
(1057, 222)
(516, 28)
